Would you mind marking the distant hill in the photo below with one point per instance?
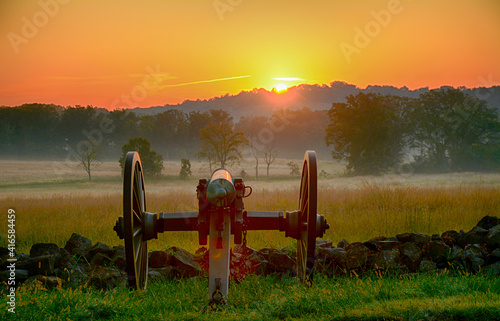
(316, 97)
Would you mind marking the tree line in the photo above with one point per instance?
(41, 131)
(440, 131)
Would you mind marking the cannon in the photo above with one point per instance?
(220, 214)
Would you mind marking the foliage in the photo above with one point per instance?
(269, 157)
(368, 132)
(220, 143)
(454, 131)
(152, 162)
(185, 168)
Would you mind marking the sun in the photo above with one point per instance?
(281, 87)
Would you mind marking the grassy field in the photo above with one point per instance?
(358, 208)
(409, 297)
(50, 207)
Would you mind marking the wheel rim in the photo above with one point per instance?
(306, 241)
(134, 206)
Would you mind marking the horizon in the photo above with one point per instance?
(127, 54)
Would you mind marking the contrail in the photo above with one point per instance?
(205, 81)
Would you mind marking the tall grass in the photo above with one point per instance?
(355, 214)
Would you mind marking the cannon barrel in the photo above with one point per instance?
(220, 190)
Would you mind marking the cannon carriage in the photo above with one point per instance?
(220, 214)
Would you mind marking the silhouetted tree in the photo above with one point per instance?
(368, 132)
(152, 162)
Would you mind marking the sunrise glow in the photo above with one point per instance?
(123, 54)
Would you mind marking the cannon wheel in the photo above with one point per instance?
(134, 206)
(306, 242)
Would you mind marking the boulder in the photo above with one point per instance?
(492, 239)
(100, 248)
(488, 222)
(78, 245)
(343, 243)
(100, 259)
(156, 274)
(476, 235)
(40, 249)
(75, 276)
(473, 257)
(493, 257)
(460, 239)
(324, 243)
(388, 244)
(336, 258)
(388, 259)
(183, 262)
(411, 255)
(492, 269)
(438, 252)
(357, 255)
(372, 244)
(418, 238)
(281, 262)
(19, 275)
(43, 265)
(450, 237)
(118, 259)
(107, 278)
(158, 259)
(427, 266)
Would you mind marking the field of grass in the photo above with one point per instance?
(357, 208)
(409, 297)
(49, 208)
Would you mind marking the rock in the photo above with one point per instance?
(493, 257)
(183, 262)
(19, 275)
(336, 258)
(242, 249)
(460, 239)
(357, 255)
(436, 237)
(324, 243)
(107, 278)
(158, 259)
(41, 249)
(343, 244)
(388, 245)
(281, 263)
(476, 235)
(493, 237)
(488, 222)
(43, 265)
(473, 257)
(427, 266)
(78, 245)
(100, 248)
(160, 273)
(372, 244)
(100, 259)
(118, 258)
(67, 261)
(388, 259)
(418, 238)
(47, 282)
(454, 253)
(437, 252)
(75, 276)
(450, 237)
(492, 269)
(411, 255)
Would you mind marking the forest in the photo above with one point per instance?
(442, 130)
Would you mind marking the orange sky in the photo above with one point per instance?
(120, 53)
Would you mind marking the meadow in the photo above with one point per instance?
(50, 207)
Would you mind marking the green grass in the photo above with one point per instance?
(406, 297)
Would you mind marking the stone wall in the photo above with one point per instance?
(81, 262)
